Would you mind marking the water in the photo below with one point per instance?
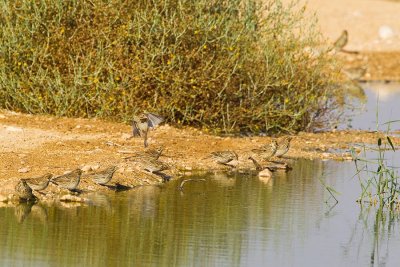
(382, 100)
(228, 220)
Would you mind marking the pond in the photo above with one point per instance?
(381, 105)
(230, 219)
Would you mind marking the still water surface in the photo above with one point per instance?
(381, 105)
(229, 220)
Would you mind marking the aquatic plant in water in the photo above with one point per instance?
(379, 185)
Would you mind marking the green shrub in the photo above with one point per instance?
(224, 66)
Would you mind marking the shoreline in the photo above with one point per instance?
(32, 145)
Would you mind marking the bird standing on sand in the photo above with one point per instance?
(341, 41)
(224, 157)
(152, 153)
(283, 147)
(267, 151)
(23, 191)
(39, 183)
(68, 181)
(151, 164)
(104, 176)
(256, 164)
(141, 124)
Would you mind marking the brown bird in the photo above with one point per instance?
(39, 183)
(267, 151)
(283, 147)
(68, 181)
(141, 124)
(256, 164)
(341, 41)
(152, 153)
(151, 165)
(104, 176)
(23, 191)
(224, 157)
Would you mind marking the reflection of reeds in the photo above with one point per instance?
(378, 225)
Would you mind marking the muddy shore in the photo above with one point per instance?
(31, 145)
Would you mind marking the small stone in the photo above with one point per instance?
(86, 168)
(2, 116)
(265, 173)
(95, 167)
(24, 170)
(126, 136)
(13, 129)
(326, 155)
(3, 198)
(348, 158)
(71, 198)
(188, 168)
(385, 32)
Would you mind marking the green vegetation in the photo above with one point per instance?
(224, 66)
(380, 185)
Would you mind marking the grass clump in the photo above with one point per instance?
(381, 185)
(225, 66)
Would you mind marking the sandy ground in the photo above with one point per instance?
(374, 33)
(34, 145)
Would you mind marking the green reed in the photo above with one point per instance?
(224, 66)
(378, 179)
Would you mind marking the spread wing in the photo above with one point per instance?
(154, 119)
(135, 128)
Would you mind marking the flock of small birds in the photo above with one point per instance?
(147, 160)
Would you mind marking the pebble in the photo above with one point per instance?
(13, 129)
(24, 170)
(71, 198)
(125, 136)
(326, 155)
(385, 32)
(3, 198)
(86, 168)
(95, 167)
